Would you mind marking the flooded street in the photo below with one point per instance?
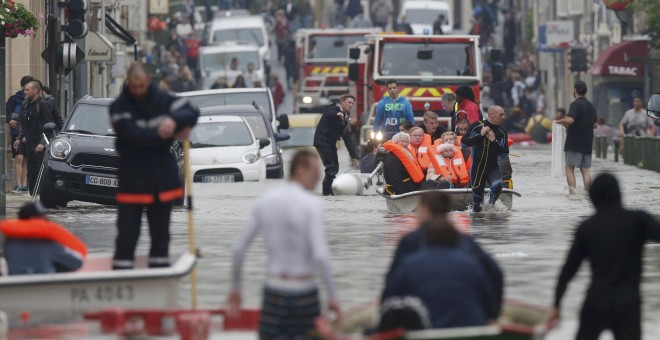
(528, 242)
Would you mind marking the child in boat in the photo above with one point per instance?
(35, 245)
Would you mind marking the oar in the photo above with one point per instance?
(191, 230)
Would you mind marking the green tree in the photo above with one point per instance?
(652, 10)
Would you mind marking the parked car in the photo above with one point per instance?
(421, 15)
(82, 163)
(242, 29)
(262, 98)
(215, 62)
(301, 130)
(261, 129)
(225, 149)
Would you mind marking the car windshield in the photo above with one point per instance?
(425, 16)
(233, 98)
(246, 35)
(255, 120)
(299, 137)
(90, 119)
(214, 134)
(446, 59)
(330, 47)
(223, 60)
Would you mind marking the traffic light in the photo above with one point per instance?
(579, 59)
(77, 27)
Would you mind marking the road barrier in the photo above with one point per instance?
(642, 152)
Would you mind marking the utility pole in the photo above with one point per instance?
(3, 147)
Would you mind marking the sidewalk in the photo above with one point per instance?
(14, 202)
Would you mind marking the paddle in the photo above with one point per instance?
(191, 230)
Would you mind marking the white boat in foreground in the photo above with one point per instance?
(461, 199)
(95, 286)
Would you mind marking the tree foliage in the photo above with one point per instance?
(652, 10)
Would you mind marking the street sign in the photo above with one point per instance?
(159, 6)
(98, 48)
(558, 32)
(68, 55)
(71, 55)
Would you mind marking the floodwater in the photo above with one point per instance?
(528, 242)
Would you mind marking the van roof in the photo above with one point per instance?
(227, 47)
(237, 22)
(425, 4)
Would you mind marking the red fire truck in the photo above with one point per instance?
(322, 66)
(425, 66)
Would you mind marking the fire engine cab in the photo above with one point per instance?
(323, 70)
(425, 66)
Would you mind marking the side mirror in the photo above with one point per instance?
(281, 136)
(284, 121)
(354, 53)
(264, 143)
(653, 108)
(354, 72)
(49, 129)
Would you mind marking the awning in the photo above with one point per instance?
(612, 61)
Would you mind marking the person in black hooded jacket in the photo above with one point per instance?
(613, 242)
(334, 124)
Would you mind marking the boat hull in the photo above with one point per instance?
(96, 286)
(460, 199)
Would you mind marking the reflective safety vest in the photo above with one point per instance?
(408, 160)
(426, 153)
(39, 229)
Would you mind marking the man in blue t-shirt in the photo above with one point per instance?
(579, 122)
(392, 111)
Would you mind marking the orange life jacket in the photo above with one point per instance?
(408, 160)
(426, 153)
(38, 229)
(468, 161)
(458, 172)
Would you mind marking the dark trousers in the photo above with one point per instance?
(623, 319)
(34, 160)
(494, 178)
(288, 314)
(328, 154)
(129, 222)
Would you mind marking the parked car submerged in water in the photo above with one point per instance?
(82, 162)
(225, 149)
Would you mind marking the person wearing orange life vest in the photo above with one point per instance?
(451, 167)
(35, 245)
(401, 171)
(146, 121)
(420, 143)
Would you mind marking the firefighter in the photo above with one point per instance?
(146, 120)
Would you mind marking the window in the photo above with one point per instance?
(330, 47)
(91, 119)
(448, 59)
(246, 35)
(425, 16)
(207, 135)
(222, 60)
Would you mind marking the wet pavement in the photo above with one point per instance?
(529, 242)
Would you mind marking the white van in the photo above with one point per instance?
(421, 14)
(241, 29)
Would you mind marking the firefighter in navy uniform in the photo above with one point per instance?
(146, 120)
(332, 126)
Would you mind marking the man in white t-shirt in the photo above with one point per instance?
(290, 217)
(636, 122)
